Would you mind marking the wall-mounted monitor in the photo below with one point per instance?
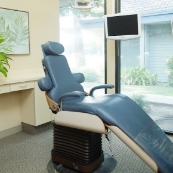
(123, 26)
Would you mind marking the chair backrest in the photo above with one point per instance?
(57, 68)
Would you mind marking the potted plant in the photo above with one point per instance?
(4, 60)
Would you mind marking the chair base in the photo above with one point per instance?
(77, 166)
(107, 166)
(77, 149)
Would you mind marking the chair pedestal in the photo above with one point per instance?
(107, 166)
(77, 149)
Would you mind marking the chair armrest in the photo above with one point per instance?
(72, 94)
(100, 87)
(79, 77)
(45, 84)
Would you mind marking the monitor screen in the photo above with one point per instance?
(122, 26)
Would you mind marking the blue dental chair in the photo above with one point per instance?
(82, 118)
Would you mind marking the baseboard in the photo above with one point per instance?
(11, 131)
(26, 128)
(36, 129)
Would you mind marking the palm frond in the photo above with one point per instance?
(20, 31)
(5, 34)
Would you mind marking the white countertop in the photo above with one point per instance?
(22, 76)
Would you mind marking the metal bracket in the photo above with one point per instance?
(108, 137)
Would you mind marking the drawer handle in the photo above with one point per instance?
(23, 86)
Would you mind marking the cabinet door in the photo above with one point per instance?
(9, 112)
(27, 107)
(34, 107)
(42, 112)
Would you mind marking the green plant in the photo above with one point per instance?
(169, 63)
(138, 76)
(4, 60)
(140, 100)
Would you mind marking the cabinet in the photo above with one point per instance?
(34, 107)
(22, 101)
(21, 86)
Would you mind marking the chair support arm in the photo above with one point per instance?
(100, 87)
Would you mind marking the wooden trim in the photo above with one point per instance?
(52, 105)
(86, 93)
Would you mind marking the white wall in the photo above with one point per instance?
(43, 27)
(110, 52)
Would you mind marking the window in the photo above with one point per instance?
(82, 34)
(147, 62)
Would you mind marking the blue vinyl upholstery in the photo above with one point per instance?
(113, 109)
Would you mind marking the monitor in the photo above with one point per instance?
(123, 26)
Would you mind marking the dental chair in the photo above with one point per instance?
(81, 118)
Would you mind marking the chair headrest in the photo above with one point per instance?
(52, 48)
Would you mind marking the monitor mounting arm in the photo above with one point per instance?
(84, 5)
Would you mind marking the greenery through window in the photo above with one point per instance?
(147, 62)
